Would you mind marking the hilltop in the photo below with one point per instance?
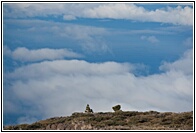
(120, 120)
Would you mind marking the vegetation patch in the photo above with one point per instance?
(118, 120)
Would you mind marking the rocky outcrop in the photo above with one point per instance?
(88, 109)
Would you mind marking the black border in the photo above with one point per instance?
(97, 130)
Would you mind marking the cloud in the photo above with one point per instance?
(91, 39)
(168, 4)
(182, 65)
(180, 15)
(24, 54)
(21, 10)
(151, 39)
(37, 31)
(71, 67)
(69, 17)
(61, 87)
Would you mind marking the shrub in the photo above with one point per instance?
(120, 123)
(23, 126)
(34, 126)
(110, 123)
(116, 108)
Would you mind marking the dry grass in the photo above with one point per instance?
(121, 120)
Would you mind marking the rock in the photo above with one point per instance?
(61, 126)
(88, 109)
(53, 127)
(48, 127)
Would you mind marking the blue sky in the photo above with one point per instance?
(58, 57)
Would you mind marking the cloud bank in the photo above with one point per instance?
(176, 15)
(61, 87)
(180, 15)
(24, 54)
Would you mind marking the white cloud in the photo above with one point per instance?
(61, 87)
(69, 17)
(151, 39)
(178, 15)
(89, 38)
(168, 4)
(71, 67)
(24, 54)
(185, 64)
(182, 15)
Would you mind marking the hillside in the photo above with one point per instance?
(121, 120)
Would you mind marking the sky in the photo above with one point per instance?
(59, 57)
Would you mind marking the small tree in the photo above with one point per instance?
(116, 108)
